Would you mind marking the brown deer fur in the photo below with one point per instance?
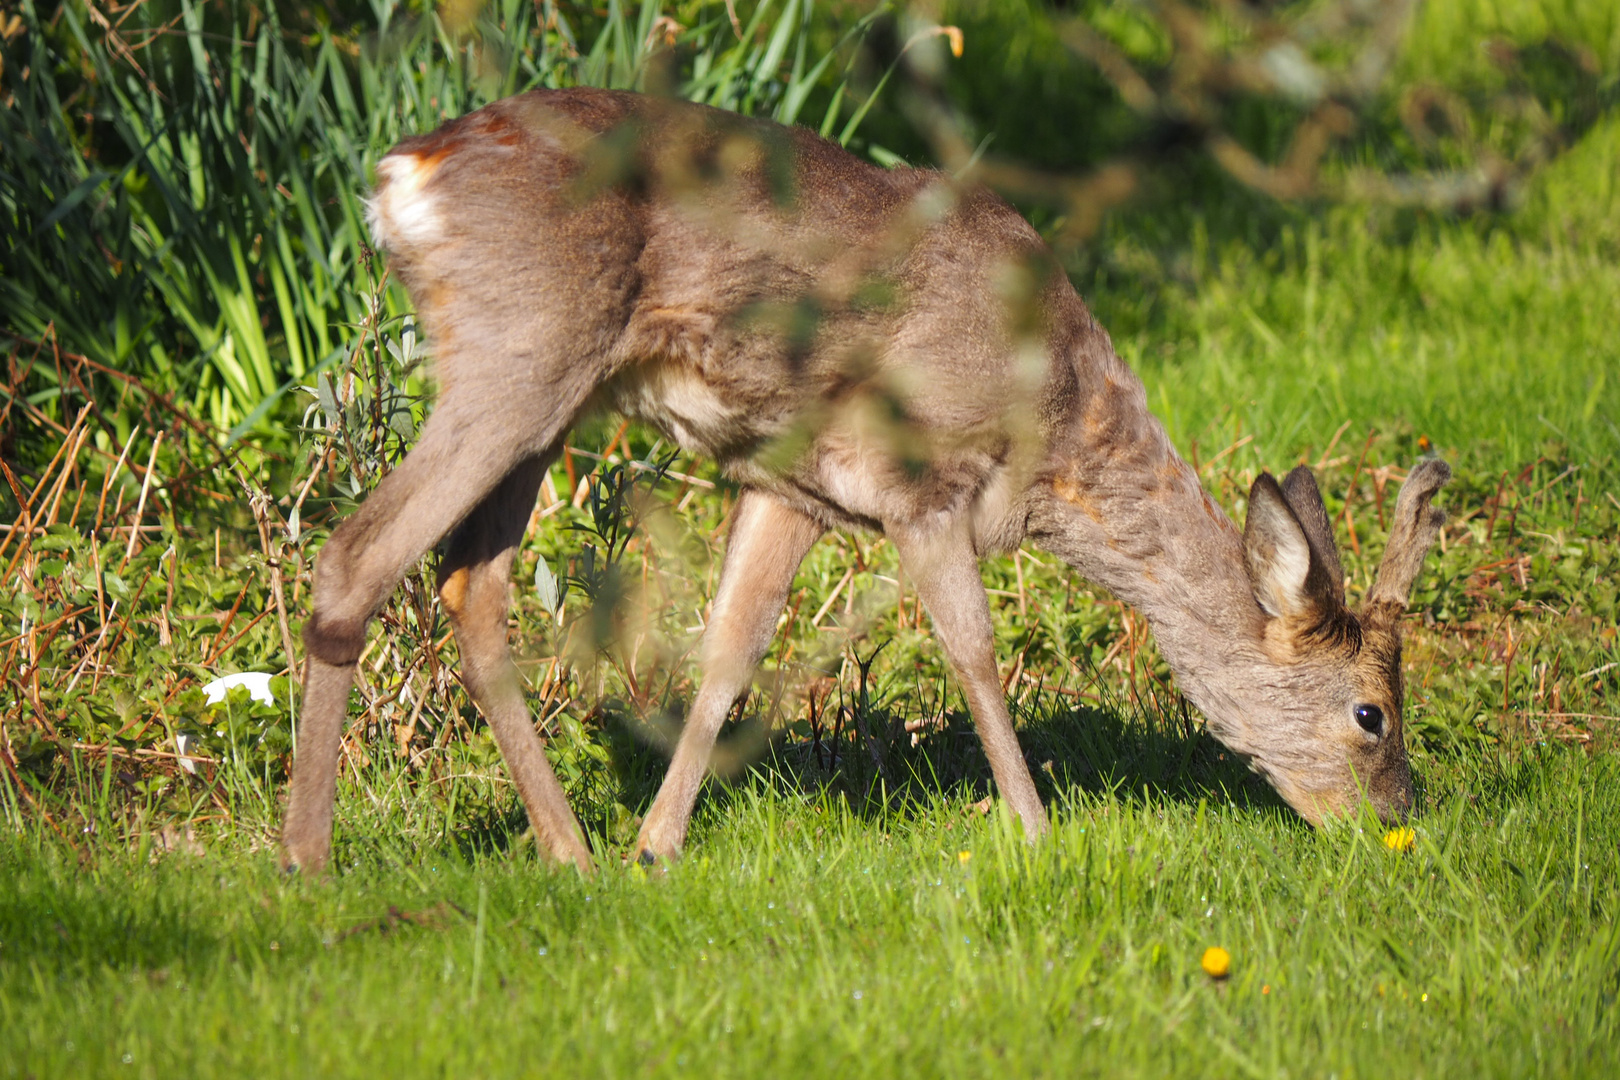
(857, 347)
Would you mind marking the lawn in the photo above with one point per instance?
(803, 937)
(852, 898)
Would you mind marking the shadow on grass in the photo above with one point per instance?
(865, 756)
(64, 916)
(879, 768)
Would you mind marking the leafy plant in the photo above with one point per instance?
(185, 195)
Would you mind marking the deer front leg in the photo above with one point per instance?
(768, 541)
(945, 570)
(475, 586)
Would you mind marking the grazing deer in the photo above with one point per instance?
(856, 347)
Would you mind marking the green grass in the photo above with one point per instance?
(801, 937)
(833, 866)
(1493, 339)
(191, 211)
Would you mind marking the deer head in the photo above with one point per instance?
(1329, 679)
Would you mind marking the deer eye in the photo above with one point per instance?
(1371, 718)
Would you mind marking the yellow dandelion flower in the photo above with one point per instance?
(1217, 962)
(963, 857)
(1400, 839)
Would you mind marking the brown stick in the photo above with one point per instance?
(140, 505)
(112, 477)
(123, 625)
(213, 649)
(261, 514)
(11, 767)
(1356, 473)
(67, 471)
(25, 514)
(112, 750)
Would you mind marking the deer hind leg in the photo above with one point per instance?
(433, 489)
(475, 587)
(945, 570)
(768, 541)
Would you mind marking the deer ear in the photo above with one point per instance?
(1287, 576)
(1305, 499)
(1411, 535)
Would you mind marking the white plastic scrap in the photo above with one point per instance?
(258, 684)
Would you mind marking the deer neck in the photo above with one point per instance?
(1119, 505)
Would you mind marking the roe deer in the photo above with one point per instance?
(856, 347)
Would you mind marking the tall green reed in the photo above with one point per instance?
(183, 194)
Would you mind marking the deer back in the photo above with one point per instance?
(873, 344)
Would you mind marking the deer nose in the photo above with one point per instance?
(1396, 807)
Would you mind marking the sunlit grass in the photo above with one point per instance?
(852, 902)
(805, 937)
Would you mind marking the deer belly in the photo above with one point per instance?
(683, 405)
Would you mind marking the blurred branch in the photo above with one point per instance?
(1330, 68)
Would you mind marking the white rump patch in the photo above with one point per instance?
(400, 211)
